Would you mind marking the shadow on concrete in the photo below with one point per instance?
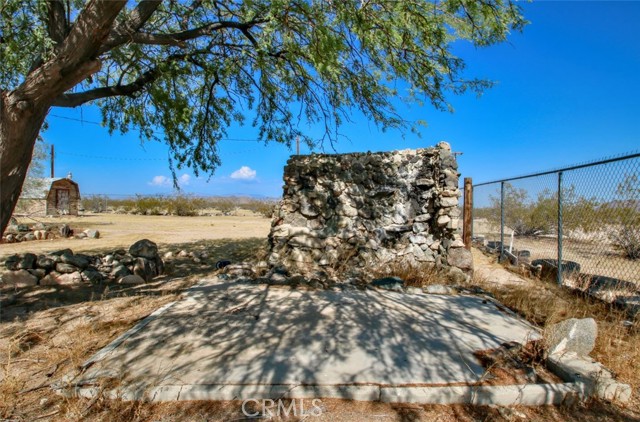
(246, 335)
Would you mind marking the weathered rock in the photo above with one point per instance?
(62, 267)
(50, 279)
(92, 233)
(78, 261)
(131, 279)
(65, 231)
(457, 276)
(62, 252)
(142, 268)
(19, 278)
(69, 279)
(38, 272)
(119, 272)
(573, 335)
(389, 283)
(460, 258)
(144, 249)
(92, 276)
(241, 270)
(27, 262)
(11, 263)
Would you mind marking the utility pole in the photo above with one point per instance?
(297, 145)
(52, 161)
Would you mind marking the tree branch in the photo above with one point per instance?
(57, 25)
(178, 38)
(138, 17)
(79, 98)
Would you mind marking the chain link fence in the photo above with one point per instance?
(576, 224)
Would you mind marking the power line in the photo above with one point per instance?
(100, 124)
(110, 158)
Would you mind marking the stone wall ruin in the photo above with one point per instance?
(352, 212)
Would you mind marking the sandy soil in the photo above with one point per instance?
(595, 257)
(122, 230)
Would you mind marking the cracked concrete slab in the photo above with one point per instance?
(246, 338)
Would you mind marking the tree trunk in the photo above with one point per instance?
(19, 128)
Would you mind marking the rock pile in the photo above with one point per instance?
(365, 209)
(16, 233)
(140, 264)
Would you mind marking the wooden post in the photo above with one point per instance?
(52, 162)
(467, 216)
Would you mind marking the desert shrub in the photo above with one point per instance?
(265, 208)
(95, 203)
(627, 239)
(225, 205)
(185, 206)
(150, 205)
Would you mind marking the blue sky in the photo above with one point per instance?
(568, 91)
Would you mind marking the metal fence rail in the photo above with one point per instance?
(582, 221)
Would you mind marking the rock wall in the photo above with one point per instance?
(351, 212)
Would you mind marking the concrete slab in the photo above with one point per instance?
(245, 340)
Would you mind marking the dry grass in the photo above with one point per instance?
(544, 303)
(413, 275)
(41, 349)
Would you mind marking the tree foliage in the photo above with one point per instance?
(183, 72)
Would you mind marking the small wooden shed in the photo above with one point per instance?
(50, 196)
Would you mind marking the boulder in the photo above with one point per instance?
(50, 279)
(69, 278)
(76, 260)
(27, 262)
(65, 231)
(131, 279)
(573, 335)
(389, 283)
(92, 276)
(62, 252)
(120, 271)
(144, 249)
(460, 258)
(19, 278)
(62, 267)
(11, 263)
(143, 268)
(38, 272)
(92, 233)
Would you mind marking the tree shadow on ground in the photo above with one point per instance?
(180, 273)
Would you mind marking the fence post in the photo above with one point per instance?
(501, 221)
(559, 277)
(467, 216)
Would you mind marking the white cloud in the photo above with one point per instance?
(244, 173)
(160, 181)
(184, 179)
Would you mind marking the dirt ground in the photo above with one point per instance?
(596, 257)
(46, 332)
(122, 230)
